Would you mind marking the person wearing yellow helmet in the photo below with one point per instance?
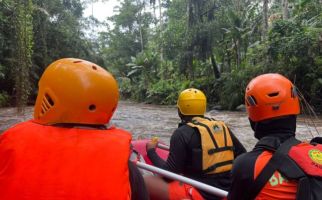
(66, 152)
(201, 148)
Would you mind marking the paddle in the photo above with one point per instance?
(163, 146)
(173, 176)
(159, 145)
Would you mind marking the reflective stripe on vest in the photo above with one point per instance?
(47, 162)
(217, 145)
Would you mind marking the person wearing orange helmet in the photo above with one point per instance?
(66, 152)
(279, 166)
(202, 148)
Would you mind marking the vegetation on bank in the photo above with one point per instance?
(156, 48)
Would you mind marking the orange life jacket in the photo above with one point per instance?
(278, 187)
(47, 162)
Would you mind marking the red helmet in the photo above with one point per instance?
(269, 96)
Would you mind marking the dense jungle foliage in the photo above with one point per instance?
(156, 48)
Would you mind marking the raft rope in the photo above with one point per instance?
(308, 110)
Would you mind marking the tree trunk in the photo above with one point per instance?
(190, 13)
(229, 61)
(189, 62)
(237, 51)
(23, 52)
(265, 19)
(141, 37)
(189, 51)
(285, 9)
(155, 15)
(214, 66)
(140, 25)
(161, 29)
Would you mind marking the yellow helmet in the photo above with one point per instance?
(75, 91)
(192, 102)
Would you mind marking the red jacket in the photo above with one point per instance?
(53, 163)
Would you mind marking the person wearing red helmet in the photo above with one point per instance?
(279, 166)
(66, 152)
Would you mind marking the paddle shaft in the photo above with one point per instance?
(173, 176)
(163, 146)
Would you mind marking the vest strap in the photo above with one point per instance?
(220, 149)
(278, 160)
(213, 167)
(225, 135)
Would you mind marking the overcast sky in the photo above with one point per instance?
(101, 10)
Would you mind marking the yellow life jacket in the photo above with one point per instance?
(216, 144)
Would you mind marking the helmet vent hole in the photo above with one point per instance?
(274, 94)
(77, 61)
(49, 100)
(251, 100)
(92, 107)
(46, 104)
(94, 67)
(275, 107)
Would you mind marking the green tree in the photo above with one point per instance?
(35, 33)
(23, 50)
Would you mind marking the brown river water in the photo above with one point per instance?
(146, 121)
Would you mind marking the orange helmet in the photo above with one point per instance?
(271, 95)
(75, 91)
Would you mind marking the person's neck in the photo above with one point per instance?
(186, 119)
(283, 128)
(81, 126)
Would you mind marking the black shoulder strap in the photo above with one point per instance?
(278, 159)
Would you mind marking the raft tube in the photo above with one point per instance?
(140, 147)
